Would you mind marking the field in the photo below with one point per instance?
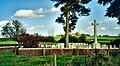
(10, 59)
(101, 39)
(7, 41)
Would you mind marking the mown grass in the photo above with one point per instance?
(103, 39)
(8, 42)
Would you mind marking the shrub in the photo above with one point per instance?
(72, 39)
(116, 42)
(29, 41)
(82, 38)
(47, 39)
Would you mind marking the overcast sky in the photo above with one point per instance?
(38, 16)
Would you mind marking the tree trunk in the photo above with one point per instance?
(67, 30)
(119, 46)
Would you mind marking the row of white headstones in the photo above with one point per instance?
(84, 45)
(79, 45)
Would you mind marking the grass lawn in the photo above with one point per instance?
(102, 39)
(8, 42)
(107, 37)
(10, 59)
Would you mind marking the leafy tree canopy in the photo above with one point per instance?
(104, 2)
(73, 7)
(70, 9)
(113, 10)
(77, 34)
(13, 30)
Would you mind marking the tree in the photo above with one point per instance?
(116, 42)
(68, 18)
(13, 30)
(72, 39)
(82, 38)
(119, 35)
(77, 34)
(113, 10)
(47, 39)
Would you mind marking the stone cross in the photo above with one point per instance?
(95, 34)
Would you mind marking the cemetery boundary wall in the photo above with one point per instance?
(8, 49)
(58, 51)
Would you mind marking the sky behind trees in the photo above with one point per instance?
(39, 16)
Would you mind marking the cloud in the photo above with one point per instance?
(109, 20)
(28, 13)
(102, 28)
(117, 28)
(35, 27)
(86, 30)
(2, 23)
(38, 13)
(54, 10)
(90, 28)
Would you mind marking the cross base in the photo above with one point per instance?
(96, 45)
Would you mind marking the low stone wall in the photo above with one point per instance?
(57, 51)
(8, 49)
